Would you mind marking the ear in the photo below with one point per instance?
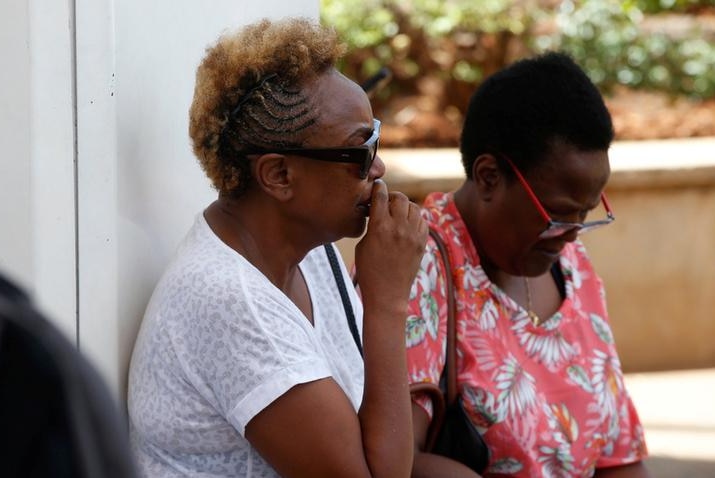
(273, 175)
(486, 175)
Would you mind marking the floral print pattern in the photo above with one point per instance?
(550, 400)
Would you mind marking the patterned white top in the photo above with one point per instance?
(218, 344)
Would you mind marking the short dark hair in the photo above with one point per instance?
(523, 109)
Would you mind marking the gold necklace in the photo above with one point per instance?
(535, 319)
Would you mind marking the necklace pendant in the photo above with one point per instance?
(534, 318)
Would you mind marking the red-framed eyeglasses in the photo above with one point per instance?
(558, 228)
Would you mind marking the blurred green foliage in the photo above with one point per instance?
(456, 43)
(606, 39)
(657, 6)
(437, 48)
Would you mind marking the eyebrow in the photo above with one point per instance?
(363, 132)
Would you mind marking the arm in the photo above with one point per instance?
(313, 430)
(310, 431)
(634, 470)
(387, 259)
(428, 465)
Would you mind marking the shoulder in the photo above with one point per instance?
(210, 294)
(435, 206)
(578, 267)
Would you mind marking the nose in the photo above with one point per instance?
(377, 168)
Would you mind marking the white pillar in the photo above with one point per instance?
(37, 183)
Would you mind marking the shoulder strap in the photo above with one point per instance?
(333, 259)
(450, 363)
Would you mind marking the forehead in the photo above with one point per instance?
(343, 106)
(569, 169)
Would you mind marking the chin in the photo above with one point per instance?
(540, 266)
(358, 230)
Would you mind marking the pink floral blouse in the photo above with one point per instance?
(549, 400)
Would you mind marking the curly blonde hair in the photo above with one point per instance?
(249, 94)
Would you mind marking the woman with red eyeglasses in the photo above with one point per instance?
(537, 369)
(248, 362)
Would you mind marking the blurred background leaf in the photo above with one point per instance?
(440, 50)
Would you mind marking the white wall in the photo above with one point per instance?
(37, 199)
(122, 187)
(15, 250)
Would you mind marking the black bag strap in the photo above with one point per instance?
(347, 305)
(446, 393)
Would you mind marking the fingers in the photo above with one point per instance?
(423, 227)
(399, 205)
(413, 211)
(385, 203)
(388, 256)
(380, 199)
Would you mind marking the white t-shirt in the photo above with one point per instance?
(218, 344)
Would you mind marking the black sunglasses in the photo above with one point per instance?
(364, 155)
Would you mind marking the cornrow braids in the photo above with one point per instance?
(251, 92)
(271, 116)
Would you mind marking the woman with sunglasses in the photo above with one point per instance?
(247, 364)
(537, 369)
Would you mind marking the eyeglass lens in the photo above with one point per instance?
(371, 151)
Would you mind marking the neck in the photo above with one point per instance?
(255, 230)
(466, 201)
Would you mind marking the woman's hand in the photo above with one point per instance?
(388, 256)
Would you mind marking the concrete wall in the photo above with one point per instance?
(657, 259)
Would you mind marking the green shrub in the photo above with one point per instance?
(604, 37)
(453, 43)
(443, 48)
(657, 6)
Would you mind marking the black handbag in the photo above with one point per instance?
(451, 433)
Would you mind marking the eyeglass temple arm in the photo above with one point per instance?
(607, 205)
(537, 203)
(528, 190)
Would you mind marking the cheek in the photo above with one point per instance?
(510, 250)
(342, 195)
(513, 234)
